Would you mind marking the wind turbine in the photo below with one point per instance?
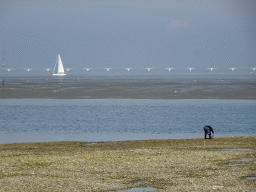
(148, 69)
(128, 69)
(3, 70)
(169, 69)
(108, 69)
(87, 69)
(190, 69)
(211, 68)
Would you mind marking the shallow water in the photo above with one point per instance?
(243, 159)
(236, 149)
(251, 178)
(38, 120)
(235, 165)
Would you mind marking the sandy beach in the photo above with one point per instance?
(220, 164)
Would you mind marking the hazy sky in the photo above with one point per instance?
(128, 33)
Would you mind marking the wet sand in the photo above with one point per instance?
(166, 165)
(189, 88)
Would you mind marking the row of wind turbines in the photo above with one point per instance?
(128, 69)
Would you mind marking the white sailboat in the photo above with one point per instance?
(60, 68)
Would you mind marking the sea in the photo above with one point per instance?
(95, 120)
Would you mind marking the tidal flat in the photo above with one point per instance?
(129, 87)
(165, 165)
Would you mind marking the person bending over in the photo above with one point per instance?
(207, 131)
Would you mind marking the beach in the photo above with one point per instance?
(219, 164)
(114, 96)
(193, 164)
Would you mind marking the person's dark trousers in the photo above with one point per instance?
(209, 134)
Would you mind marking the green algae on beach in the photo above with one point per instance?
(166, 165)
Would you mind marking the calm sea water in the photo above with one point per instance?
(40, 120)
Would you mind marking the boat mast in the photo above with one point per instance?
(55, 66)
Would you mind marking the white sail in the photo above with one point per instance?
(60, 68)
(60, 65)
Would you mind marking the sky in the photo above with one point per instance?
(122, 34)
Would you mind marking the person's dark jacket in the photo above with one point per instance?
(208, 129)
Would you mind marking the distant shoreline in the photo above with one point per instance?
(130, 87)
(133, 90)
